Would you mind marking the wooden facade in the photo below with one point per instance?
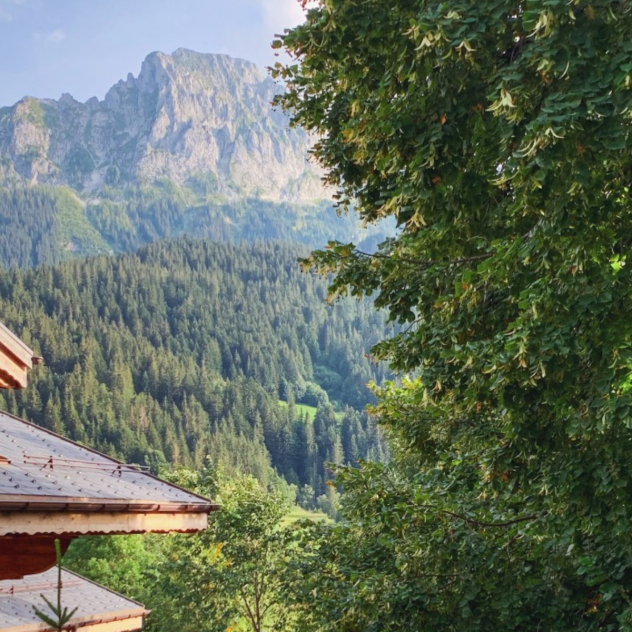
(15, 360)
(27, 555)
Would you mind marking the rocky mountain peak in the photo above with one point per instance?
(186, 116)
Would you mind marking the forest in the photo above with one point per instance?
(46, 225)
(188, 349)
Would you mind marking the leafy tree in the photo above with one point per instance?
(497, 133)
(124, 563)
(230, 577)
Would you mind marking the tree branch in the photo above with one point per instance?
(250, 613)
(426, 262)
(479, 523)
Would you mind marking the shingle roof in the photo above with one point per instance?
(94, 603)
(41, 471)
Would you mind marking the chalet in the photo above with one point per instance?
(54, 489)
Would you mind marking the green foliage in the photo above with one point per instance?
(235, 570)
(61, 616)
(45, 225)
(497, 134)
(124, 563)
(227, 578)
(144, 215)
(75, 235)
(28, 228)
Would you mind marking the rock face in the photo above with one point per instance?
(188, 117)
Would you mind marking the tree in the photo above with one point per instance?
(497, 135)
(230, 577)
(123, 563)
(61, 615)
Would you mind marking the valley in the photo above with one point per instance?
(191, 349)
(149, 252)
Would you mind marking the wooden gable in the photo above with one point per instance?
(15, 360)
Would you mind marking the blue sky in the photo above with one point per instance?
(83, 47)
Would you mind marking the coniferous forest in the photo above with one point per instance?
(194, 349)
(46, 225)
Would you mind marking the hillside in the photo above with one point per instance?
(46, 225)
(193, 348)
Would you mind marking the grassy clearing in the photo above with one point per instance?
(310, 410)
(298, 513)
(76, 235)
(302, 409)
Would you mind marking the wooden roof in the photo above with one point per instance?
(98, 609)
(50, 485)
(15, 360)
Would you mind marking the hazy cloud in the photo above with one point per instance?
(281, 14)
(7, 7)
(54, 37)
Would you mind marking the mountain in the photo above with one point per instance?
(188, 117)
(191, 146)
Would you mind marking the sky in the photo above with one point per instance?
(83, 47)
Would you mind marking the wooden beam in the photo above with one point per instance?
(12, 373)
(73, 524)
(13, 345)
(28, 555)
(15, 360)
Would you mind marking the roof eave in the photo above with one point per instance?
(74, 505)
(15, 360)
(73, 524)
(16, 347)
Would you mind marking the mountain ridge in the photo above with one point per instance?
(186, 116)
